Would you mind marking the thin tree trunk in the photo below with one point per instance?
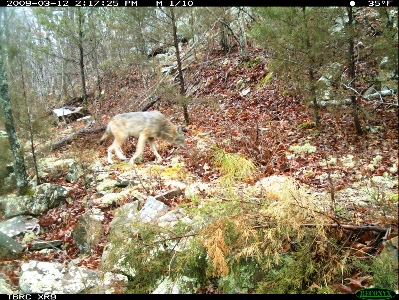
(312, 78)
(315, 105)
(243, 38)
(81, 59)
(31, 135)
(179, 68)
(352, 74)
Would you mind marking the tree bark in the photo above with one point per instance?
(352, 74)
(18, 158)
(243, 38)
(312, 78)
(81, 59)
(30, 124)
(179, 68)
(313, 95)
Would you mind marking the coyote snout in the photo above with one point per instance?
(142, 125)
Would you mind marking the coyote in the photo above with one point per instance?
(142, 125)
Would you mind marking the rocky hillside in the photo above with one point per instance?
(236, 106)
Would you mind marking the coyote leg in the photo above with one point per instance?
(116, 146)
(139, 147)
(154, 150)
(119, 153)
(110, 148)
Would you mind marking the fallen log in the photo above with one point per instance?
(70, 137)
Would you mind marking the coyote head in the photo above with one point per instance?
(175, 136)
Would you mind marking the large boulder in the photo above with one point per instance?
(45, 197)
(88, 231)
(18, 225)
(8, 247)
(55, 278)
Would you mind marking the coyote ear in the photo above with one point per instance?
(179, 129)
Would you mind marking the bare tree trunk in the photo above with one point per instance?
(352, 74)
(31, 134)
(179, 68)
(224, 42)
(81, 58)
(18, 158)
(316, 107)
(312, 79)
(243, 38)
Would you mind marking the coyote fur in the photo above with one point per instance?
(142, 125)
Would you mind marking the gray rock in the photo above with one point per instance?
(17, 205)
(19, 224)
(169, 194)
(171, 218)
(106, 185)
(8, 247)
(125, 214)
(152, 209)
(109, 198)
(40, 245)
(54, 278)
(183, 285)
(88, 231)
(125, 183)
(74, 173)
(45, 196)
(391, 249)
(52, 165)
(10, 182)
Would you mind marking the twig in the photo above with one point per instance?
(349, 227)
(141, 182)
(330, 181)
(171, 239)
(316, 211)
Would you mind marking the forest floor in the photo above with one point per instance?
(241, 113)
